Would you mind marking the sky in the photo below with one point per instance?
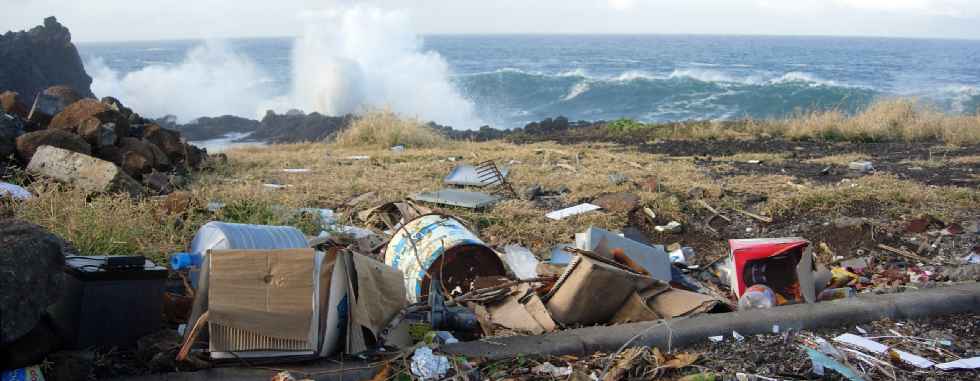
(118, 20)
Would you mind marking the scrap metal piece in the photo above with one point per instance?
(453, 197)
(468, 175)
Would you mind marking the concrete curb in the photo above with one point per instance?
(958, 298)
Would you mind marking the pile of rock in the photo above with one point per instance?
(101, 146)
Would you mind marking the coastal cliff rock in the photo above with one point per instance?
(31, 61)
(206, 128)
(297, 127)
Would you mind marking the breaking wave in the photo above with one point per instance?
(513, 97)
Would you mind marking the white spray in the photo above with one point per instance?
(347, 60)
(364, 56)
(212, 80)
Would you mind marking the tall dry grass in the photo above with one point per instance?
(384, 129)
(886, 120)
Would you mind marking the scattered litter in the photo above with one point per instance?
(681, 255)
(737, 336)
(861, 330)
(716, 339)
(521, 261)
(276, 186)
(671, 227)
(551, 370)
(575, 210)
(398, 148)
(969, 363)
(429, 366)
(358, 157)
(31, 373)
(972, 258)
(836, 293)
(296, 170)
(14, 191)
(862, 166)
(214, 206)
(653, 260)
(821, 360)
(754, 161)
(876, 347)
(775, 328)
(559, 256)
(454, 197)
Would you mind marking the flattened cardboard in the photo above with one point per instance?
(267, 292)
(376, 293)
(661, 301)
(591, 291)
(530, 317)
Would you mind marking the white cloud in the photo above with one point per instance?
(955, 8)
(621, 5)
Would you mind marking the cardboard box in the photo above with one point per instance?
(591, 291)
(784, 264)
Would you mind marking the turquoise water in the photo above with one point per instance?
(512, 80)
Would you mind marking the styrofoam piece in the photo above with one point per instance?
(571, 211)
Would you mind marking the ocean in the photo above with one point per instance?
(507, 81)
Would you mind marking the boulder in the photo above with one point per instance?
(83, 171)
(71, 118)
(97, 133)
(31, 61)
(12, 103)
(66, 94)
(32, 266)
(117, 106)
(167, 140)
(196, 157)
(139, 156)
(10, 128)
(28, 143)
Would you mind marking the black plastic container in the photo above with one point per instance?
(109, 306)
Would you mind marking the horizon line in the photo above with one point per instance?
(530, 34)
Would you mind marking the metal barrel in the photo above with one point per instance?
(436, 246)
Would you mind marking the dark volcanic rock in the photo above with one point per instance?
(31, 262)
(31, 61)
(28, 143)
(11, 127)
(12, 103)
(213, 128)
(167, 140)
(73, 116)
(299, 128)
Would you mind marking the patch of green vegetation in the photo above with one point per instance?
(625, 126)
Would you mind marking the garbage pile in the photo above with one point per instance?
(403, 278)
(95, 145)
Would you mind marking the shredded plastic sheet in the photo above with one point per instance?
(876, 347)
(970, 363)
(427, 365)
(13, 191)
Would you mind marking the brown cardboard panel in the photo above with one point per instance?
(266, 292)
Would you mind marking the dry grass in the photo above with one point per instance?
(384, 129)
(898, 119)
(117, 225)
(886, 120)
